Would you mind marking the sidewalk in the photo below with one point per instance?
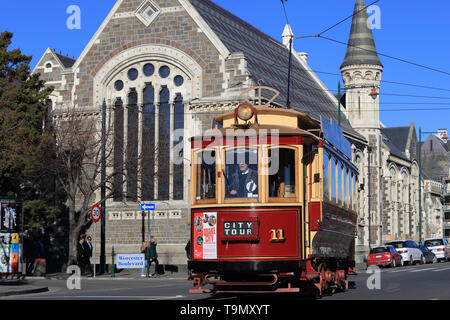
(9, 287)
(125, 274)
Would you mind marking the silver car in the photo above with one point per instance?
(409, 250)
(440, 247)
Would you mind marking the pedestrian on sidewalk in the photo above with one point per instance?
(40, 264)
(153, 254)
(88, 254)
(81, 254)
(144, 247)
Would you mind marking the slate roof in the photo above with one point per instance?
(65, 61)
(396, 139)
(437, 145)
(361, 45)
(268, 59)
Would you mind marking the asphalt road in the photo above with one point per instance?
(418, 282)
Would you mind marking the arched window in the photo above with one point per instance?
(164, 145)
(178, 151)
(118, 151)
(148, 144)
(149, 136)
(132, 145)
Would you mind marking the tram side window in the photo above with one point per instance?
(326, 175)
(345, 186)
(352, 188)
(206, 175)
(282, 182)
(333, 178)
(241, 173)
(339, 186)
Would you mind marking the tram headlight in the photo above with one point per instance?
(245, 111)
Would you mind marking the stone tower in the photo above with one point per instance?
(361, 72)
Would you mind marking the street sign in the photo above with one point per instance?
(96, 213)
(130, 261)
(148, 207)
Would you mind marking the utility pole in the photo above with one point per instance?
(288, 103)
(339, 103)
(369, 149)
(103, 193)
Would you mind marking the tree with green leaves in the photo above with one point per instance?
(23, 105)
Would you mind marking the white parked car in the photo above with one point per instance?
(409, 250)
(440, 247)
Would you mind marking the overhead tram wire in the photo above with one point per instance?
(320, 35)
(338, 23)
(342, 21)
(391, 82)
(387, 56)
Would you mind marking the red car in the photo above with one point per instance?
(384, 256)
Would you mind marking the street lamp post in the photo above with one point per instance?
(369, 149)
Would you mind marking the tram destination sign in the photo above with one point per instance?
(245, 230)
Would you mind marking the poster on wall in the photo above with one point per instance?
(10, 216)
(205, 235)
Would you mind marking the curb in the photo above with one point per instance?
(24, 291)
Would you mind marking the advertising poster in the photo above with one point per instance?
(205, 235)
(10, 217)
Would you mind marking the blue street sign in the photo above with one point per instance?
(148, 207)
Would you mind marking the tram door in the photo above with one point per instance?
(306, 165)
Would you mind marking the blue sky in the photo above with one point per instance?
(415, 30)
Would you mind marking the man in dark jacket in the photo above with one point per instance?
(244, 183)
(81, 254)
(151, 255)
(88, 254)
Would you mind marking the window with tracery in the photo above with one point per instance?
(149, 123)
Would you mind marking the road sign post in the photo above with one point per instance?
(96, 216)
(147, 208)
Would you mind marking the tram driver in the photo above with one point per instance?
(244, 182)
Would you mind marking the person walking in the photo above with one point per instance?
(153, 254)
(144, 247)
(88, 254)
(40, 263)
(81, 254)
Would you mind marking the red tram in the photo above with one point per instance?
(274, 203)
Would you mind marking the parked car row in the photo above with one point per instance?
(407, 252)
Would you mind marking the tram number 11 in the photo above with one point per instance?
(277, 235)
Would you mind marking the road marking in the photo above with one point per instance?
(441, 269)
(420, 270)
(403, 270)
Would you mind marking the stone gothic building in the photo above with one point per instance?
(389, 197)
(165, 68)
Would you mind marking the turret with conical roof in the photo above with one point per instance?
(361, 45)
(361, 72)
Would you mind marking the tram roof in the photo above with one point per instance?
(304, 121)
(256, 130)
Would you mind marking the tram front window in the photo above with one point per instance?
(206, 175)
(282, 182)
(241, 173)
